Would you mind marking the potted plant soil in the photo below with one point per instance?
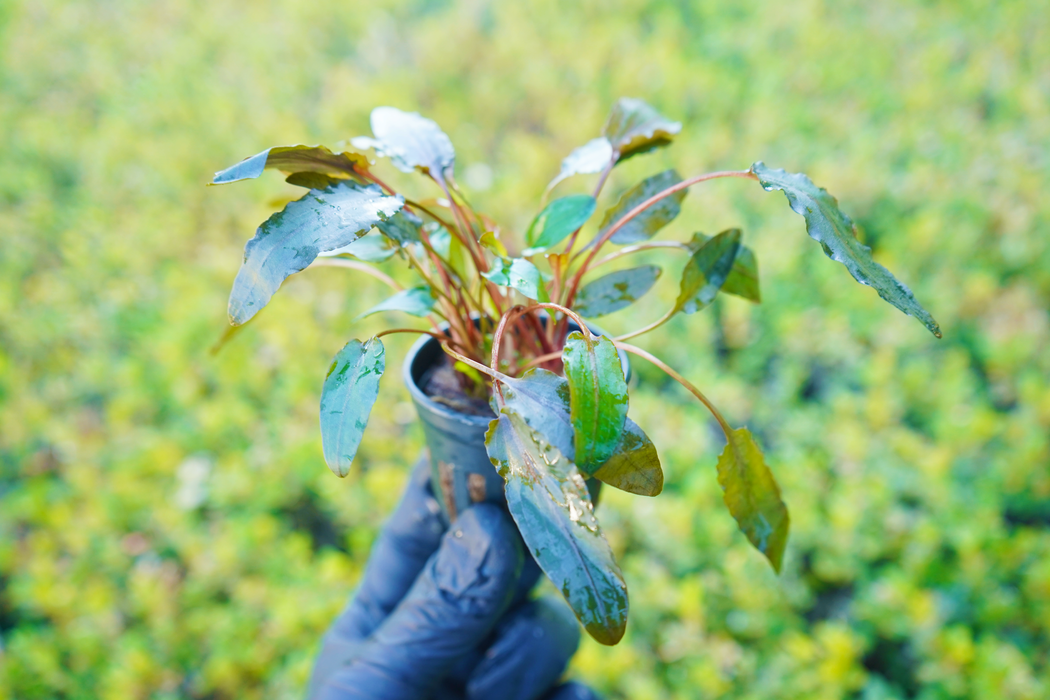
(523, 402)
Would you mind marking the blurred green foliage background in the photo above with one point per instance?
(168, 528)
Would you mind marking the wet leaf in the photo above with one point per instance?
(634, 127)
(320, 221)
(751, 493)
(836, 233)
(597, 397)
(707, 270)
(293, 160)
(519, 274)
(557, 220)
(418, 301)
(591, 157)
(634, 466)
(367, 248)
(403, 227)
(350, 390)
(542, 399)
(548, 498)
(743, 278)
(615, 291)
(494, 245)
(412, 142)
(645, 225)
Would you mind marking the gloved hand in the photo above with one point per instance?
(445, 615)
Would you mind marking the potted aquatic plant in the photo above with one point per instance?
(522, 402)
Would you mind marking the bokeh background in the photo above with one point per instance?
(168, 528)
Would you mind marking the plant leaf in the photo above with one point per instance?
(293, 159)
(634, 127)
(410, 141)
(743, 278)
(418, 301)
(542, 399)
(403, 227)
(350, 390)
(519, 274)
(367, 248)
(557, 220)
(320, 221)
(597, 397)
(312, 181)
(494, 245)
(645, 225)
(548, 499)
(615, 290)
(591, 157)
(751, 493)
(835, 232)
(707, 270)
(634, 466)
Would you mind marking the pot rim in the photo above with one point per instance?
(466, 419)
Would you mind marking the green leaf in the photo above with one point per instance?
(403, 227)
(591, 157)
(752, 496)
(296, 160)
(494, 245)
(634, 466)
(743, 278)
(597, 397)
(645, 225)
(350, 390)
(410, 141)
(836, 233)
(548, 499)
(542, 399)
(634, 127)
(519, 274)
(320, 221)
(707, 270)
(312, 181)
(615, 290)
(557, 220)
(367, 248)
(418, 301)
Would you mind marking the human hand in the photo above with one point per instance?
(445, 615)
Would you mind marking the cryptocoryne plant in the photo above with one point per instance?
(559, 398)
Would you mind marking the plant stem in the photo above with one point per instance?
(571, 296)
(517, 311)
(681, 380)
(597, 190)
(360, 267)
(476, 365)
(652, 326)
(649, 245)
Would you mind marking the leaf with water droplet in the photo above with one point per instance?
(293, 160)
(615, 291)
(651, 220)
(319, 222)
(707, 270)
(751, 493)
(548, 499)
(350, 390)
(597, 397)
(402, 228)
(519, 274)
(837, 235)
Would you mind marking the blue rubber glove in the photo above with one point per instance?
(446, 615)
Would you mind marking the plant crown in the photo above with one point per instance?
(560, 397)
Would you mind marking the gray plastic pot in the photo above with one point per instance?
(460, 468)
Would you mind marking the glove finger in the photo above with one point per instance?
(405, 543)
(531, 648)
(453, 606)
